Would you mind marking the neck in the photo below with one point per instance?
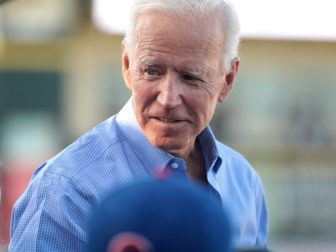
(195, 165)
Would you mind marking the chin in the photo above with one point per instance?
(165, 143)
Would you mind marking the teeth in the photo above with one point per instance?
(165, 119)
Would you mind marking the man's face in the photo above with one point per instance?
(176, 75)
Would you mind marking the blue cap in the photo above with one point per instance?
(167, 215)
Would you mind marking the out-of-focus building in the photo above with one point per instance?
(60, 75)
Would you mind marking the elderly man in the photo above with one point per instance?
(179, 59)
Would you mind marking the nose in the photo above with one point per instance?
(170, 91)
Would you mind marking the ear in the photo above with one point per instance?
(126, 65)
(230, 78)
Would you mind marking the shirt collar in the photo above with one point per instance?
(210, 151)
(155, 157)
(148, 153)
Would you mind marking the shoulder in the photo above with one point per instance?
(236, 164)
(63, 189)
(96, 161)
(231, 156)
(88, 150)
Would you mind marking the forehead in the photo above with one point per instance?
(184, 35)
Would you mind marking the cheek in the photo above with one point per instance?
(144, 97)
(203, 109)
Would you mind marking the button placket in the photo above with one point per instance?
(175, 165)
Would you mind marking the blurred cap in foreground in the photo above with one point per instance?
(163, 215)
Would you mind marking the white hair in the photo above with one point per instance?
(195, 7)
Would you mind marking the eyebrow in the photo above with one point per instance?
(195, 71)
(149, 63)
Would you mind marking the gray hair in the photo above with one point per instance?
(197, 7)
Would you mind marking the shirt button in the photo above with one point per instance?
(174, 165)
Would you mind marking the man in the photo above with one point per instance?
(179, 59)
(153, 215)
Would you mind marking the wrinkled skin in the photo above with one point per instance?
(176, 74)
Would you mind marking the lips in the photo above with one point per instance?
(166, 120)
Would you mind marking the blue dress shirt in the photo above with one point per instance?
(52, 214)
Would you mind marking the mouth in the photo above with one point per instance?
(167, 120)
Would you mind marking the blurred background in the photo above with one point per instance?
(60, 75)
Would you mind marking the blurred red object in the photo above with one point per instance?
(14, 180)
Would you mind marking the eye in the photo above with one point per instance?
(189, 78)
(152, 72)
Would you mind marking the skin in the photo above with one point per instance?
(176, 74)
